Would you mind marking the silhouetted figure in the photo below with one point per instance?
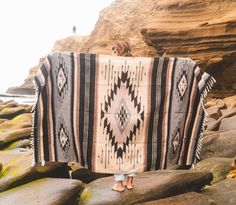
(74, 30)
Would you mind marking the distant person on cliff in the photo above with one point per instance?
(74, 30)
(122, 48)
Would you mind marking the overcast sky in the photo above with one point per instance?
(29, 29)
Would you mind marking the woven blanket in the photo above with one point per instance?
(119, 114)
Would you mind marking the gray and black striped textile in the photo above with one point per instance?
(119, 114)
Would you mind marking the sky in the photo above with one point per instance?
(29, 29)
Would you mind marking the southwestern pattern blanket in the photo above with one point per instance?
(119, 114)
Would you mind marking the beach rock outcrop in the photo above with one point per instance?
(223, 192)
(148, 186)
(218, 166)
(191, 198)
(45, 191)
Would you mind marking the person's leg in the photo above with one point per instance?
(130, 181)
(119, 178)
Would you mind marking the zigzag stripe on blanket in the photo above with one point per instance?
(119, 114)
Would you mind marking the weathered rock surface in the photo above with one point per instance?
(218, 166)
(45, 191)
(202, 30)
(148, 186)
(214, 112)
(8, 113)
(87, 176)
(228, 123)
(191, 198)
(18, 170)
(219, 144)
(223, 192)
(19, 144)
(11, 136)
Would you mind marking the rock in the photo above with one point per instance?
(9, 113)
(222, 192)
(14, 135)
(210, 102)
(228, 112)
(148, 186)
(18, 122)
(191, 198)
(18, 170)
(212, 124)
(19, 144)
(218, 166)
(169, 31)
(219, 144)
(87, 176)
(230, 101)
(214, 112)
(228, 123)
(220, 104)
(8, 104)
(2, 120)
(46, 191)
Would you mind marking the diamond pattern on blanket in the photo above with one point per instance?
(182, 85)
(61, 79)
(122, 115)
(175, 141)
(127, 121)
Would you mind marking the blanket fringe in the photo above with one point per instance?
(32, 137)
(208, 87)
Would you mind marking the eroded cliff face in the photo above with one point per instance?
(204, 30)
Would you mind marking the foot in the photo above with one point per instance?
(129, 183)
(118, 187)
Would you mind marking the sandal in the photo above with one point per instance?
(114, 188)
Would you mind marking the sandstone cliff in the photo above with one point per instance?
(204, 30)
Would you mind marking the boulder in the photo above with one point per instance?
(214, 112)
(228, 123)
(148, 186)
(223, 192)
(8, 104)
(219, 144)
(218, 166)
(45, 191)
(87, 176)
(14, 135)
(212, 124)
(20, 121)
(18, 169)
(191, 198)
(19, 144)
(9, 113)
(230, 101)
